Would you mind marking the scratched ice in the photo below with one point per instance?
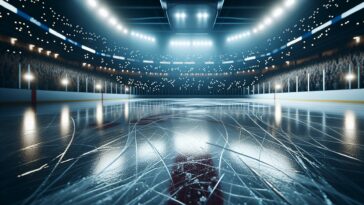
(182, 151)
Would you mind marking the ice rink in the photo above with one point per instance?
(182, 151)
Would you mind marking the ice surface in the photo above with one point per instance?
(182, 151)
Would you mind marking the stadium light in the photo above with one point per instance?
(188, 43)
(277, 12)
(13, 41)
(103, 12)
(289, 3)
(65, 81)
(278, 86)
(260, 27)
(357, 39)
(268, 21)
(56, 55)
(350, 77)
(202, 15)
(31, 47)
(113, 21)
(40, 50)
(92, 3)
(181, 15)
(98, 86)
(119, 27)
(28, 77)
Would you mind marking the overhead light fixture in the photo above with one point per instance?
(28, 77)
(180, 15)
(98, 86)
(103, 12)
(13, 40)
(119, 27)
(289, 3)
(65, 81)
(92, 3)
(278, 86)
(202, 15)
(277, 12)
(260, 27)
(267, 21)
(357, 39)
(113, 21)
(31, 47)
(350, 77)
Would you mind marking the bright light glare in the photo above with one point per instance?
(260, 27)
(13, 40)
(357, 39)
(350, 77)
(195, 43)
(28, 76)
(180, 15)
(113, 21)
(31, 47)
(277, 12)
(289, 3)
(278, 86)
(98, 86)
(103, 12)
(202, 15)
(92, 3)
(119, 27)
(267, 21)
(65, 81)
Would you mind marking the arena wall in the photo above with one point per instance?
(25, 96)
(343, 96)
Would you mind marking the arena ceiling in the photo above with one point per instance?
(149, 14)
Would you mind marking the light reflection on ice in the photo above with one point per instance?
(99, 114)
(29, 127)
(65, 121)
(29, 134)
(126, 110)
(264, 160)
(350, 135)
(147, 153)
(109, 164)
(192, 142)
(278, 113)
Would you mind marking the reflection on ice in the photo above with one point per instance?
(99, 114)
(192, 141)
(29, 134)
(109, 164)
(278, 113)
(262, 159)
(350, 127)
(151, 150)
(183, 151)
(65, 121)
(126, 110)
